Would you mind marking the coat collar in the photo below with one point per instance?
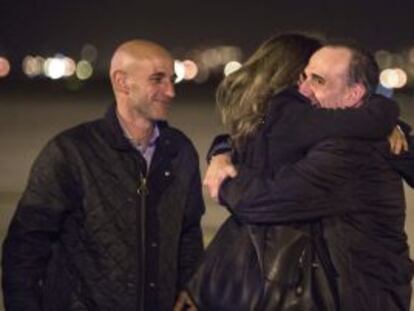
(115, 135)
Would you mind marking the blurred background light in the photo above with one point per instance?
(389, 78)
(70, 67)
(4, 67)
(211, 58)
(33, 66)
(84, 70)
(217, 57)
(230, 53)
(410, 69)
(203, 74)
(179, 70)
(54, 67)
(383, 58)
(398, 60)
(392, 78)
(231, 67)
(89, 52)
(191, 69)
(402, 78)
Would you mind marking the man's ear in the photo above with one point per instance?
(355, 94)
(119, 81)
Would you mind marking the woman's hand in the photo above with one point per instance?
(398, 141)
(219, 169)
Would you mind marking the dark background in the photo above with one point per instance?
(51, 26)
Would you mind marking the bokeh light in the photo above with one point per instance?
(4, 67)
(191, 69)
(231, 67)
(230, 53)
(389, 78)
(211, 58)
(70, 67)
(383, 58)
(179, 70)
(398, 60)
(209, 62)
(203, 74)
(89, 52)
(33, 66)
(392, 78)
(402, 78)
(54, 67)
(84, 70)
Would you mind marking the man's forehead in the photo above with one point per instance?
(157, 64)
(332, 55)
(330, 59)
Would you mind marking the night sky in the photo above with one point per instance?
(51, 26)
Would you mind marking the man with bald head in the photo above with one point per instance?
(110, 218)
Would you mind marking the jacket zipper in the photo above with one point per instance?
(142, 192)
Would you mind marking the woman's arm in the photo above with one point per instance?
(291, 114)
(316, 186)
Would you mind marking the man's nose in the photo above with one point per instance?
(304, 88)
(169, 90)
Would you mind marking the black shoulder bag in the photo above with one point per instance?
(251, 267)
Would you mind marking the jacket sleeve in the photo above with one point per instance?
(221, 144)
(304, 190)
(403, 163)
(191, 243)
(375, 119)
(33, 229)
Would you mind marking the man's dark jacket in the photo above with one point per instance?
(76, 240)
(347, 185)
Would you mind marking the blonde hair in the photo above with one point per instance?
(242, 97)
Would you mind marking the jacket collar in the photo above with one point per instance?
(117, 139)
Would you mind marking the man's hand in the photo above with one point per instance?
(398, 141)
(184, 302)
(219, 169)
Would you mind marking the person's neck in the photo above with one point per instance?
(137, 128)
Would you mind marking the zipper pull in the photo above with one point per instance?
(142, 188)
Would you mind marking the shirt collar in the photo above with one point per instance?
(152, 140)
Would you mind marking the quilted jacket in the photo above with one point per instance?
(86, 236)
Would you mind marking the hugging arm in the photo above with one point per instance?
(301, 191)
